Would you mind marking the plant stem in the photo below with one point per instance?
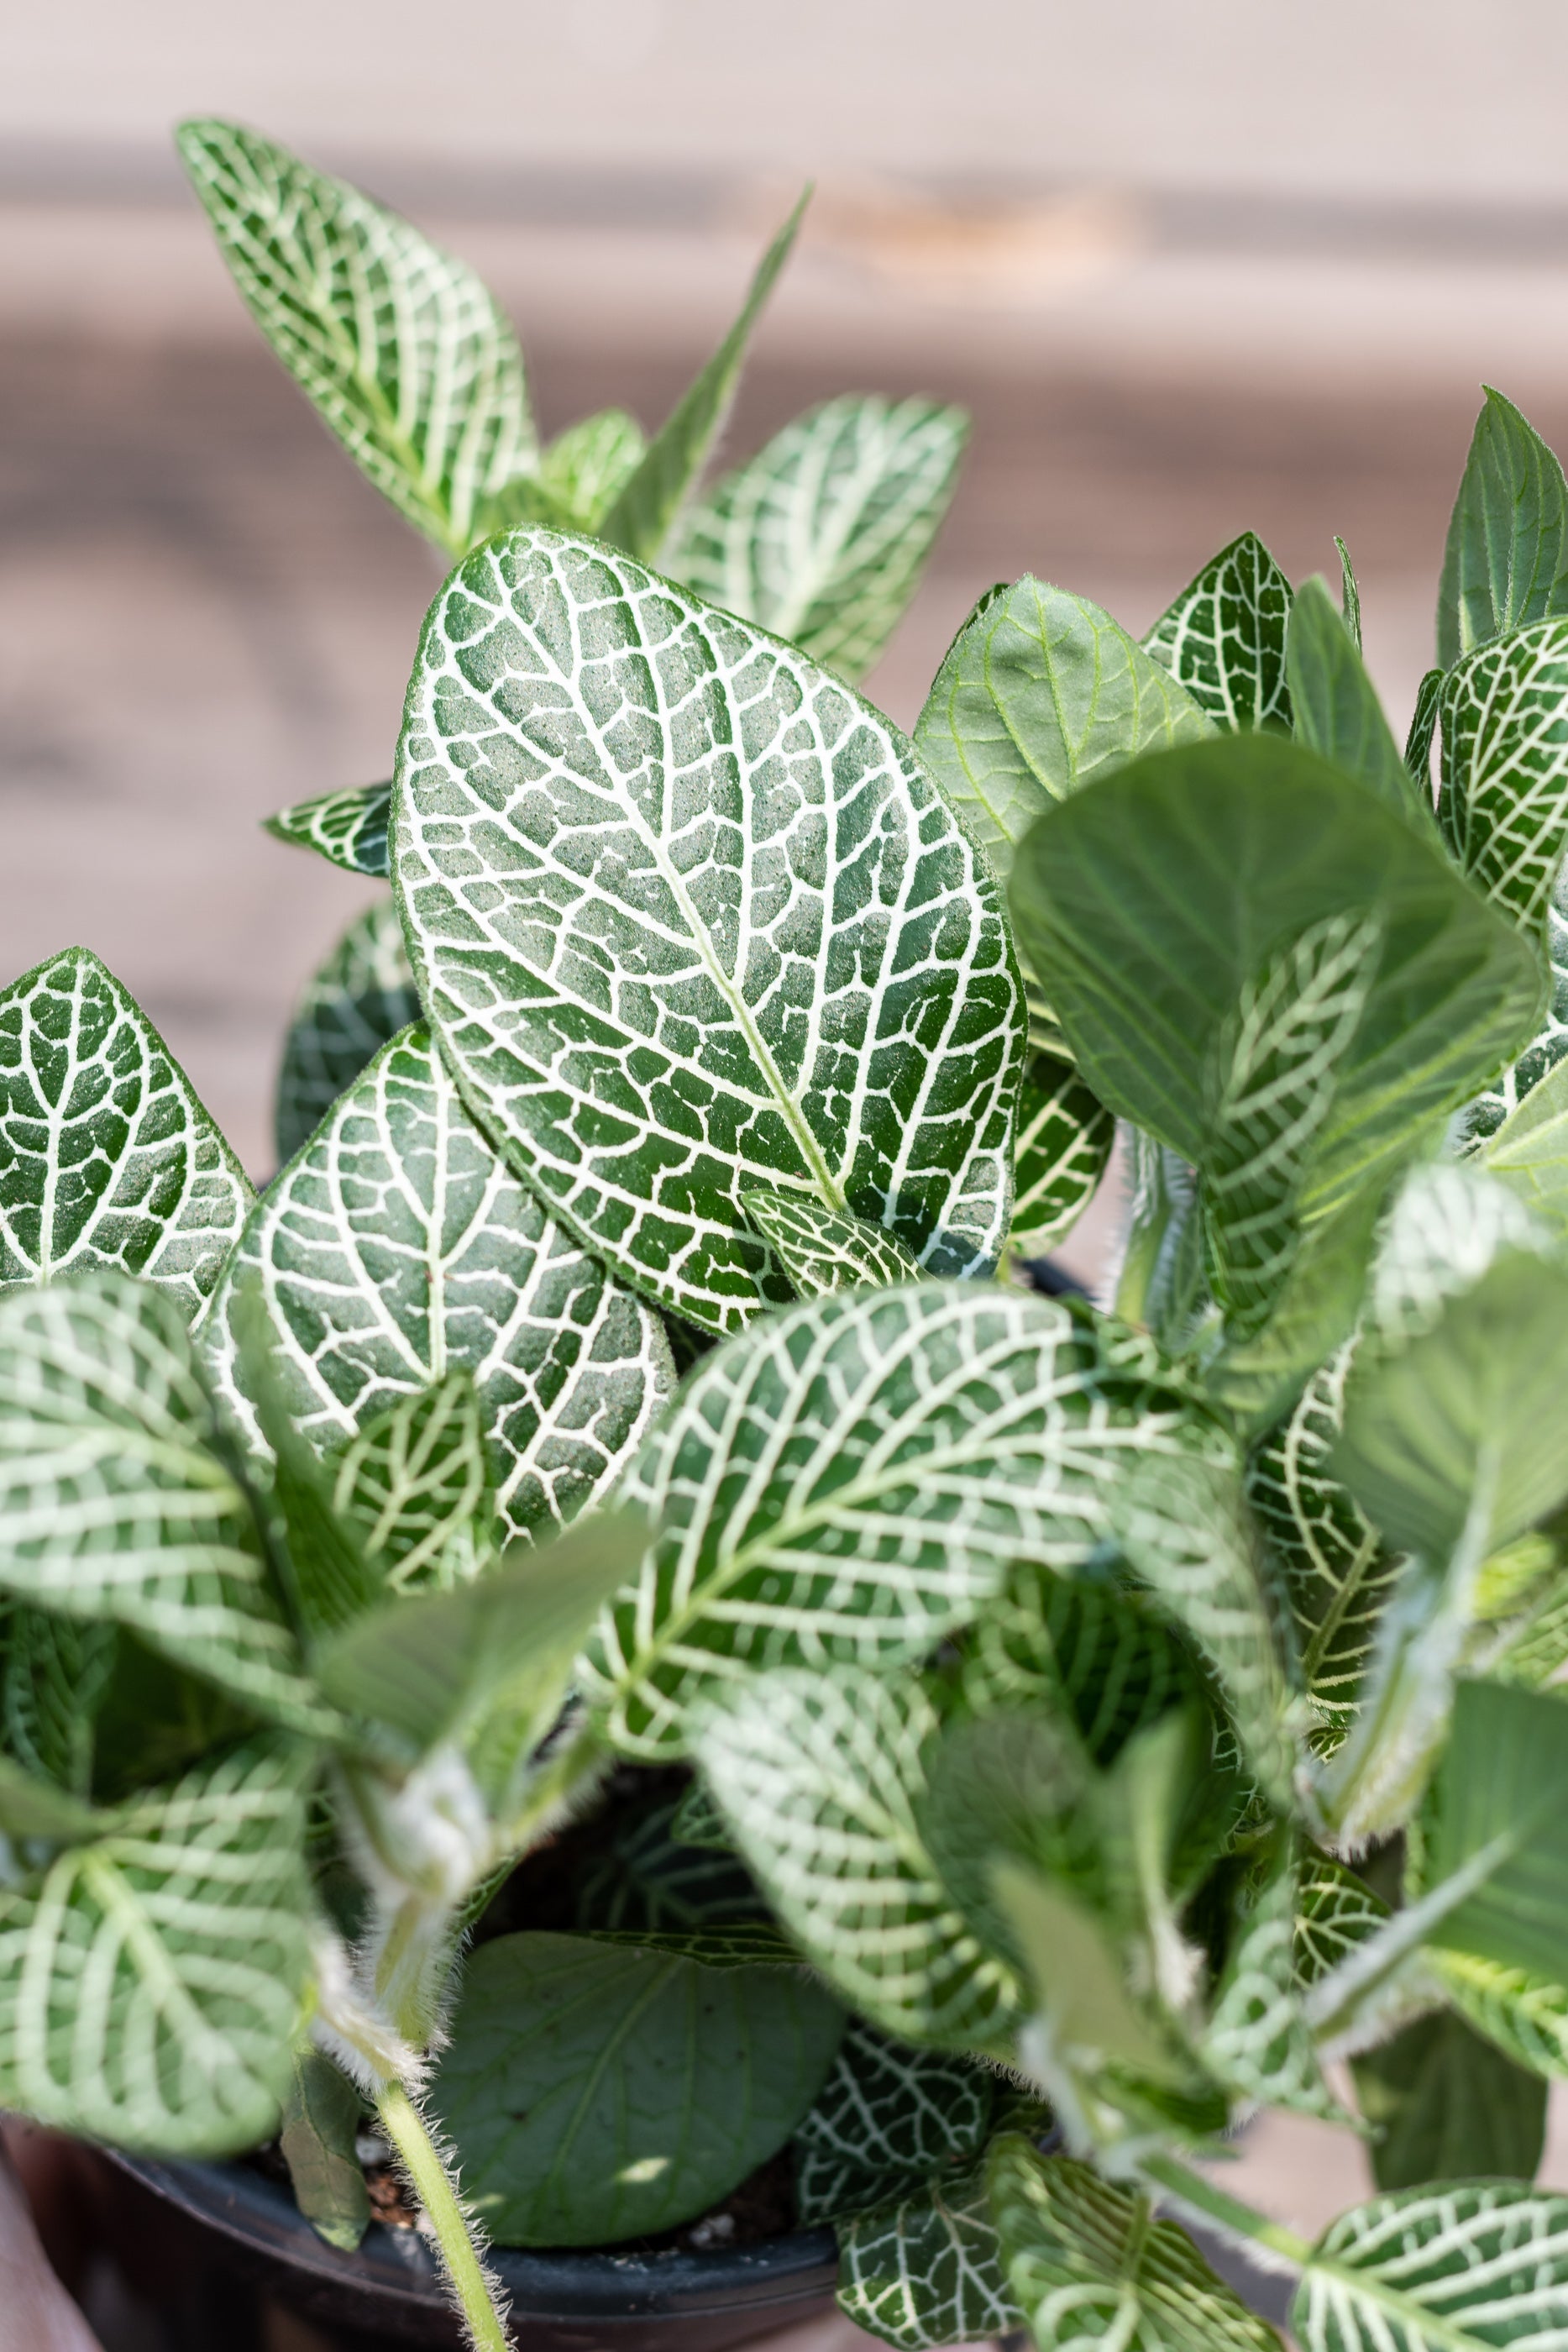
(1239, 2220)
(404, 2126)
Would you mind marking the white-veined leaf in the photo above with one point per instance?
(1089, 1651)
(414, 1486)
(1064, 1143)
(114, 1502)
(1335, 1913)
(106, 1158)
(1040, 692)
(644, 517)
(1091, 2271)
(53, 1672)
(821, 1251)
(819, 1776)
(1224, 638)
(887, 2116)
(1526, 2015)
(685, 912)
(361, 996)
(153, 1979)
(1506, 562)
(1422, 726)
(398, 1247)
(404, 351)
(1334, 705)
(1467, 2266)
(1503, 806)
(823, 536)
(586, 468)
(926, 2270)
(1257, 2039)
(852, 1478)
(348, 827)
(1528, 1150)
(651, 1877)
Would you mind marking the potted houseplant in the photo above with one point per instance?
(594, 1631)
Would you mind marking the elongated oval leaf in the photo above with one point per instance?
(1224, 638)
(106, 1158)
(1334, 704)
(404, 351)
(152, 1982)
(821, 1251)
(1064, 1144)
(586, 468)
(414, 1486)
(850, 1481)
(889, 2116)
(113, 1502)
(321, 2115)
(1422, 726)
(1146, 903)
(348, 827)
(398, 1247)
(823, 536)
(685, 911)
(361, 996)
(1444, 2103)
(926, 2270)
(1506, 563)
(1466, 2266)
(1040, 693)
(595, 2092)
(1504, 801)
(1528, 1151)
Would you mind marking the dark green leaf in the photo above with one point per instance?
(414, 1487)
(926, 2270)
(1334, 704)
(1064, 1143)
(320, 2123)
(1081, 1651)
(359, 999)
(1506, 562)
(887, 2116)
(651, 1877)
(1445, 2105)
(1349, 597)
(1503, 806)
(53, 1672)
(347, 827)
(1418, 741)
(1224, 637)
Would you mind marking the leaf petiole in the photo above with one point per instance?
(472, 2285)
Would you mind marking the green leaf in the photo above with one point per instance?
(823, 536)
(1502, 1789)
(1089, 2267)
(852, 1480)
(405, 354)
(1335, 707)
(151, 1983)
(586, 468)
(1224, 638)
(1523, 2015)
(106, 1158)
(359, 999)
(1335, 1913)
(926, 2270)
(1506, 563)
(645, 514)
(698, 1821)
(596, 2093)
(821, 1251)
(819, 1776)
(1504, 801)
(115, 1500)
(1084, 1652)
(1418, 741)
(1147, 904)
(1087, 2014)
(651, 1879)
(1349, 597)
(397, 1248)
(32, 1808)
(347, 827)
(1040, 693)
(54, 1673)
(414, 1486)
(320, 2124)
(1465, 2267)
(1445, 2105)
(1064, 1143)
(1258, 2040)
(635, 840)
(430, 1666)
(1550, 1043)
(1337, 1571)
(887, 2116)
(1529, 1152)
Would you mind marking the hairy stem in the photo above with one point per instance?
(471, 2284)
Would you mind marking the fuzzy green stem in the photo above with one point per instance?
(1200, 2194)
(404, 2126)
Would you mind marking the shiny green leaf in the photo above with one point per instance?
(1224, 638)
(1506, 563)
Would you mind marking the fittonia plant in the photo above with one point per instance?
(1019, 1737)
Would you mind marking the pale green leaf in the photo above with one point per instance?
(414, 1487)
(1091, 2271)
(586, 468)
(1090, 2017)
(1064, 1143)
(1224, 638)
(852, 1479)
(399, 1247)
(1445, 2105)
(34, 1808)
(321, 2116)
(1548, 1047)
(823, 536)
(644, 517)
(1349, 597)
(153, 1981)
(926, 2270)
(348, 827)
(1145, 904)
(819, 1777)
(106, 1158)
(1423, 725)
(404, 351)
(1526, 2016)
(888, 2115)
(1502, 1790)
(360, 999)
(686, 913)
(1041, 693)
(1467, 2266)
(115, 1502)
(1334, 704)
(821, 1251)
(1529, 1152)
(596, 2092)
(1506, 563)
(1503, 806)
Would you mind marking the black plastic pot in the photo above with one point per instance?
(232, 2221)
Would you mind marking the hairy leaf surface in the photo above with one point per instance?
(359, 999)
(348, 827)
(1224, 639)
(1506, 563)
(821, 1251)
(1523, 2015)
